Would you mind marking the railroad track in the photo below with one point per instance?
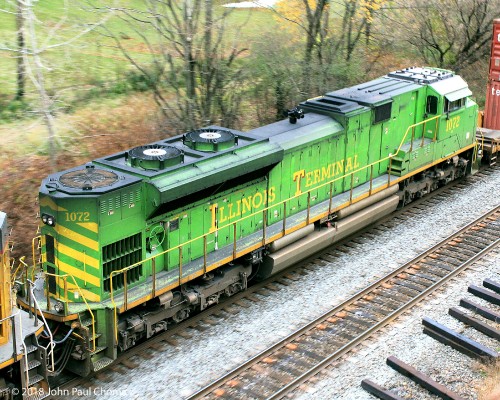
(260, 292)
(490, 294)
(280, 369)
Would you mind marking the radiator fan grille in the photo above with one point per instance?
(154, 157)
(88, 178)
(210, 140)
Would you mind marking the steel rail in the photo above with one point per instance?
(313, 371)
(345, 348)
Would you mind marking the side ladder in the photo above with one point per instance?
(34, 370)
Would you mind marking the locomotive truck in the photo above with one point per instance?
(136, 241)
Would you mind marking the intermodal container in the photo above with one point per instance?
(492, 107)
(495, 52)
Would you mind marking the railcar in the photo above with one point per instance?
(141, 239)
(23, 367)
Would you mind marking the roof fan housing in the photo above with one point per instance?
(88, 178)
(210, 139)
(154, 156)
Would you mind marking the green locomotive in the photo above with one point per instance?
(140, 239)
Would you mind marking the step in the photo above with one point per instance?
(30, 348)
(86, 322)
(98, 349)
(38, 395)
(35, 379)
(103, 362)
(33, 364)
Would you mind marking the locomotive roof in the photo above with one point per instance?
(382, 90)
(192, 167)
(195, 170)
(312, 127)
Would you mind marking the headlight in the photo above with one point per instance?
(59, 307)
(48, 220)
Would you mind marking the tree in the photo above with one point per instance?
(312, 17)
(278, 86)
(21, 70)
(333, 31)
(189, 54)
(31, 64)
(451, 33)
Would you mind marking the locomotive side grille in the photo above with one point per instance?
(124, 200)
(119, 255)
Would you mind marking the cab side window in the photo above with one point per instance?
(450, 106)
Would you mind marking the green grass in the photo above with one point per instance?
(93, 59)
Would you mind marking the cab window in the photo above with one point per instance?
(432, 105)
(450, 106)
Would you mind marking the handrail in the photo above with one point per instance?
(33, 249)
(480, 144)
(16, 271)
(10, 316)
(13, 329)
(114, 273)
(14, 342)
(51, 338)
(25, 358)
(64, 277)
(264, 210)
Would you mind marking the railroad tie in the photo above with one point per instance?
(484, 294)
(422, 379)
(378, 391)
(475, 323)
(492, 285)
(483, 311)
(459, 342)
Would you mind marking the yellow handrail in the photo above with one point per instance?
(113, 273)
(33, 250)
(21, 263)
(283, 202)
(479, 144)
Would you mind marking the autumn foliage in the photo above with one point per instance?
(99, 132)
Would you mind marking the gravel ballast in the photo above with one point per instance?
(179, 371)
